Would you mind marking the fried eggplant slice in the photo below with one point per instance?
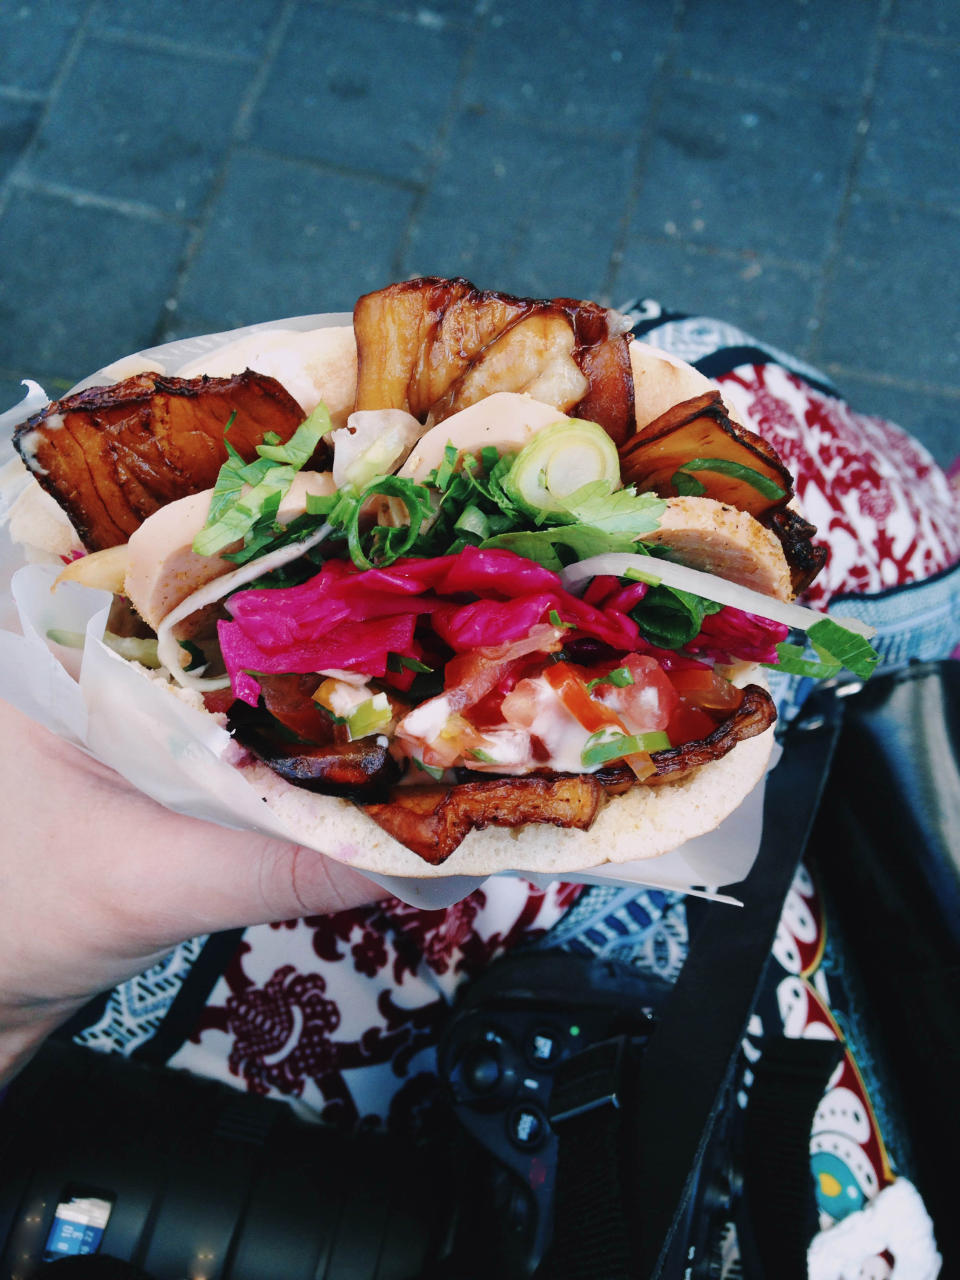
(433, 346)
(111, 456)
(749, 474)
(700, 429)
(433, 820)
(361, 770)
(796, 537)
(757, 712)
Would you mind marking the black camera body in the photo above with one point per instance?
(508, 1058)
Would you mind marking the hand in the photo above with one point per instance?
(98, 882)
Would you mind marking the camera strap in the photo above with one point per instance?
(586, 1111)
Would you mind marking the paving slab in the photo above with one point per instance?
(140, 125)
(523, 211)
(773, 303)
(287, 238)
(892, 306)
(211, 25)
(34, 38)
(18, 121)
(817, 45)
(587, 65)
(741, 168)
(911, 149)
(366, 91)
(80, 285)
(935, 19)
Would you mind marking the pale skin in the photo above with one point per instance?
(98, 882)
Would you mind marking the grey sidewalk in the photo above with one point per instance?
(173, 168)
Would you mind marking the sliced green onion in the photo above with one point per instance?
(444, 473)
(726, 467)
(483, 756)
(560, 460)
(298, 450)
(557, 621)
(607, 744)
(433, 771)
(473, 523)
(620, 676)
(369, 717)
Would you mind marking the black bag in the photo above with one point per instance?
(886, 846)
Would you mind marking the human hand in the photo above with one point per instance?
(98, 882)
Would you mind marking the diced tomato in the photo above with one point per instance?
(573, 693)
(218, 701)
(648, 703)
(688, 724)
(470, 676)
(592, 713)
(704, 687)
(520, 706)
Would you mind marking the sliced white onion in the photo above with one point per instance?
(169, 650)
(703, 584)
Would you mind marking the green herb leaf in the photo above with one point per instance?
(853, 650)
(399, 661)
(620, 677)
(687, 486)
(579, 541)
(671, 618)
(793, 663)
(623, 511)
(726, 467)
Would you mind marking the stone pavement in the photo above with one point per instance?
(790, 165)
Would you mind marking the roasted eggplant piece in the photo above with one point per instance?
(433, 820)
(433, 346)
(361, 770)
(748, 474)
(701, 429)
(757, 711)
(111, 456)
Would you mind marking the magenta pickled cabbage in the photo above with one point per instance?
(734, 634)
(353, 620)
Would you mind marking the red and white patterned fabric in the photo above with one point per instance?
(886, 510)
(334, 1010)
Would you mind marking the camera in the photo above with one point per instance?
(177, 1176)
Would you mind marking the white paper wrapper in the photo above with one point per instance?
(176, 753)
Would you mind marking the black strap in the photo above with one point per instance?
(780, 1215)
(590, 1237)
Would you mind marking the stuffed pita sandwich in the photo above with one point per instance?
(476, 583)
